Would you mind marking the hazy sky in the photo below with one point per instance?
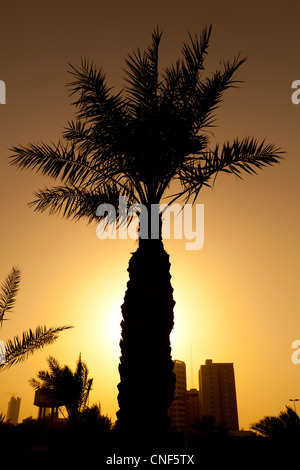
(237, 299)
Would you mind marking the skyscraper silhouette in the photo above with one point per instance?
(177, 411)
(218, 393)
(192, 406)
(13, 410)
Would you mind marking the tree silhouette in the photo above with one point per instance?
(208, 426)
(135, 143)
(92, 419)
(286, 425)
(19, 348)
(64, 387)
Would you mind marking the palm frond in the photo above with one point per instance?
(45, 378)
(194, 54)
(88, 79)
(103, 113)
(57, 161)
(65, 163)
(94, 97)
(20, 347)
(71, 201)
(246, 155)
(74, 203)
(141, 76)
(9, 291)
(209, 92)
(78, 132)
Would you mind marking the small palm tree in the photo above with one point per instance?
(207, 425)
(92, 418)
(19, 348)
(65, 388)
(136, 143)
(286, 425)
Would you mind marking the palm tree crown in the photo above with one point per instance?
(66, 388)
(286, 425)
(137, 141)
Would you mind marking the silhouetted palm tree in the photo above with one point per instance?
(286, 425)
(207, 425)
(92, 419)
(64, 387)
(135, 143)
(20, 347)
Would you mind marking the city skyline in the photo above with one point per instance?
(215, 397)
(236, 298)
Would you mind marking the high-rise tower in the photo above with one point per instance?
(177, 410)
(13, 410)
(218, 393)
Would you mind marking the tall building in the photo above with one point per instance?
(13, 410)
(218, 393)
(185, 408)
(192, 406)
(177, 410)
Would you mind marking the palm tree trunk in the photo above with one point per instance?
(147, 384)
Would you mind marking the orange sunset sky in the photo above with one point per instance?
(237, 299)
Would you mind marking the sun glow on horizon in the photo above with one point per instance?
(109, 325)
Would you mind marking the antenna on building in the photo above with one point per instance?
(192, 369)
